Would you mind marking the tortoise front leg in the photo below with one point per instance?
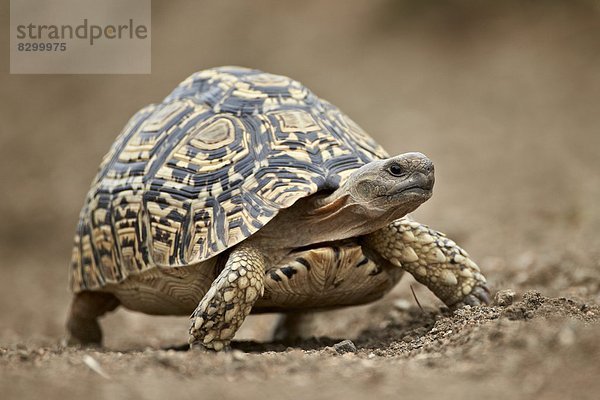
(229, 299)
(433, 259)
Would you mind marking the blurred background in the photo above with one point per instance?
(503, 96)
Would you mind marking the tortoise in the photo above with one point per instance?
(245, 192)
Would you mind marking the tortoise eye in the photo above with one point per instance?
(396, 170)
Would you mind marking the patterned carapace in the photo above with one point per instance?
(214, 162)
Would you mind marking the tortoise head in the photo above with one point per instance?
(392, 187)
(380, 192)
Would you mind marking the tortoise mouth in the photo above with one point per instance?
(417, 184)
(411, 193)
(417, 190)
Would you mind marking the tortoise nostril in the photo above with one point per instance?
(428, 167)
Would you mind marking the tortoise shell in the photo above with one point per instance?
(209, 166)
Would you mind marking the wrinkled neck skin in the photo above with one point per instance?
(319, 219)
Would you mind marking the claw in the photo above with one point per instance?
(482, 293)
(471, 300)
(197, 345)
(211, 347)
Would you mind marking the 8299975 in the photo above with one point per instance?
(43, 46)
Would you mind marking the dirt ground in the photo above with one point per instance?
(504, 98)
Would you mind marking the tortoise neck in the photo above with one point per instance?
(316, 219)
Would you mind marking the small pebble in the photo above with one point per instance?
(94, 365)
(402, 304)
(238, 355)
(407, 339)
(345, 346)
(504, 298)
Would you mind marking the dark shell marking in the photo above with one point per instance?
(214, 162)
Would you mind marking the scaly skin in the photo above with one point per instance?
(433, 259)
(229, 299)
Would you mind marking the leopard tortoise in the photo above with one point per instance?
(244, 192)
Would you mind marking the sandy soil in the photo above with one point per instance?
(503, 98)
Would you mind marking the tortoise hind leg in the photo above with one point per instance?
(82, 324)
(293, 326)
